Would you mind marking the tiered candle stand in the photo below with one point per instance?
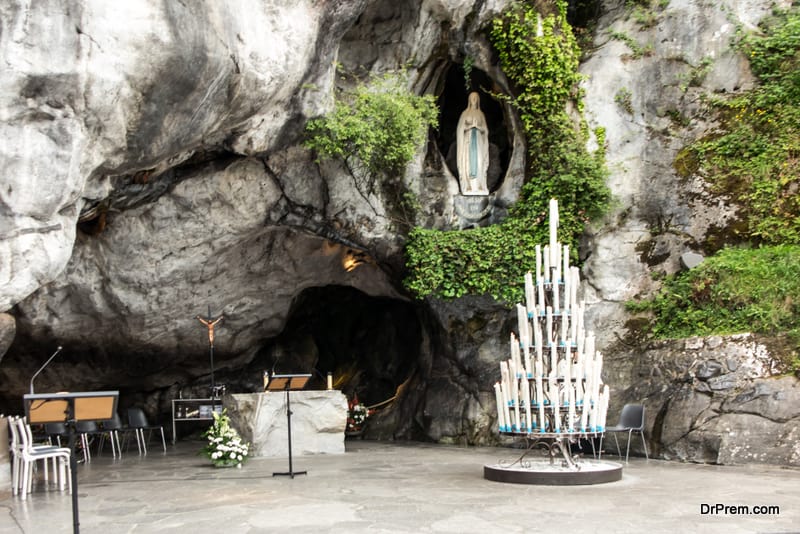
(551, 391)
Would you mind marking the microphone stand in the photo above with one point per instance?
(45, 365)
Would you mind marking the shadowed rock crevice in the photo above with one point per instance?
(371, 345)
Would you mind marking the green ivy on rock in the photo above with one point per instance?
(754, 158)
(736, 290)
(540, 56)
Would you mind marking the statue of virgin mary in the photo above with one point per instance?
(472, 148)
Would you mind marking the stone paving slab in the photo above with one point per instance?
(381, 487)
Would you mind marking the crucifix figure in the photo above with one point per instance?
(210, 323)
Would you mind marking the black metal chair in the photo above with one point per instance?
(630, 420)
(113, 428)
(137, 420)
(87, 429)
(55, 431)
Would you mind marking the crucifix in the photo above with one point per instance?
(210, 324)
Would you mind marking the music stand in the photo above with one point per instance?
(288, 383)
(68, 408)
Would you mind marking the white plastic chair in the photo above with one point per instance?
(26, 455)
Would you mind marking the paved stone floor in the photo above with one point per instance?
(398, 487)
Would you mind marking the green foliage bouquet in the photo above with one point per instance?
(225, 447)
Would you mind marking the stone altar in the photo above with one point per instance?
(318, 421)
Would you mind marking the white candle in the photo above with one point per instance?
(514, 385)
(596, 381)
(539, 368)
(549, 324)
(513, 344)
(577, 372)
(555, 401)
(538, 393)
(499, 399)
(553, 359)
(546, 273)
(576, 282)
(553, 223)
(604, 407)
(571, 411)
(515, 397)
(330, 381)
(571, 329)
(587, 392)
(530, 297)
(526, 398)
(555, 257)
(504, 376)
(506, 413)
(537, 337)
(542, 420)
(589, 346)
(577, 367)
(538, 261)
(564, 326)
(555, 289)
(526, 362)
(540, 290)
(522, 322)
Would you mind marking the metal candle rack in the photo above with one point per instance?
(551, 390)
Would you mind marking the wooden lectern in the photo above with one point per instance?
(70, 408)
(288, 383)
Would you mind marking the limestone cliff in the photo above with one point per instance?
(153, 167)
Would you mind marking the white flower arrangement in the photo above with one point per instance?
(225, 447)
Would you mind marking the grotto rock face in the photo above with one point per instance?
(724, 400)
(153, 167)
(93, 91)
(648, 102)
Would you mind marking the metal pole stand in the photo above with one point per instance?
(288, 383)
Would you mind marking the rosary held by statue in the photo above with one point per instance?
(210, 323)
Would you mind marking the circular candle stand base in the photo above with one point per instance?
(542, 473)
(558, 468)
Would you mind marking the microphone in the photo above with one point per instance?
(45, 365)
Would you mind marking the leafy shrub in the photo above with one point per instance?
(375, 129)
(737, 290)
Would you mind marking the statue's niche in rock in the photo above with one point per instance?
(452, 102)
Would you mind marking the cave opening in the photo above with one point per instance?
(370, 344)
(453, 101)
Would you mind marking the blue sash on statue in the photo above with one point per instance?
(473, 153)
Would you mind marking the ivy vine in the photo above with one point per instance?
(540, 56)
